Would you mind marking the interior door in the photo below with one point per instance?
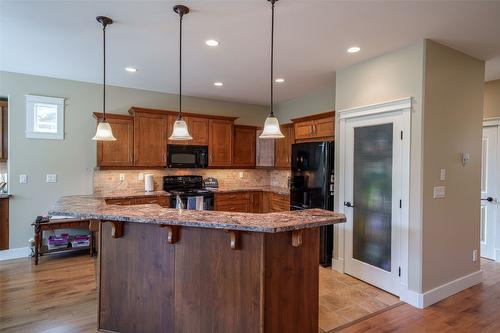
(489, 172)
(373, 190)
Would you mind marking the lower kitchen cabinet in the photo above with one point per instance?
(4, 223)
(279, 202)
(163, 201)
(252, 202)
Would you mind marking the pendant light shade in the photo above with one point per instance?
(180, 130)
(104, 132)
(272, 128)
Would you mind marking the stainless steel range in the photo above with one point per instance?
(189, 192)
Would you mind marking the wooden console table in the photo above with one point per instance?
(62, 224)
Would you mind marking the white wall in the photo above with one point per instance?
(318, 101)
(395, 75)
(73, 159)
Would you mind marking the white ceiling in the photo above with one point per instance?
(62, 39)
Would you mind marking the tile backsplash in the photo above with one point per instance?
(109, 180)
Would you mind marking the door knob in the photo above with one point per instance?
(348, 204)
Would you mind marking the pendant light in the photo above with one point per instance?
(180, 129)
(104, 132)
(272, 126)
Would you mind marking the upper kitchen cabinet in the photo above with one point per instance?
(3, 130)
(198, 128)
(244, 146)
(316, 127)
(264, 151)
(119, 152)
(150, 137)
(283, 147)
(220, 143)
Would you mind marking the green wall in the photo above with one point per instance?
(73, 159)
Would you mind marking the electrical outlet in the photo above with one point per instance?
(51, 178)
(241, 174)
(474, 255)
(23, 179)
(140, 176)
(443, 175)
(122, 177)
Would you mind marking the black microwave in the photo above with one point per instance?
(184, 156)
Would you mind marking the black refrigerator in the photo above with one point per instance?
(311, 186)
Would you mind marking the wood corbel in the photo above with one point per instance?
(297, 238)
(172, 233)
(235, 238)
(116, 229)
(94, 225)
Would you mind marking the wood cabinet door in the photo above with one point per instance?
(304, 130)
(121, 151)
(232, 202)
(264, 151)
(220, 147)
(324, 127)
(244, 146)
(4, 224)
(283, 148)
(198, 128)
(150, 139)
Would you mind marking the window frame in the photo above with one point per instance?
(30, 132)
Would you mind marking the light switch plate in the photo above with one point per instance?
(23, 179)
(51, 178)
(122, 177)
(140, 176)
(442, 176)
(439, 192)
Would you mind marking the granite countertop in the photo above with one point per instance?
(95, 207)
(273, 189)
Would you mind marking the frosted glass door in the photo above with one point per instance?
(372, 195)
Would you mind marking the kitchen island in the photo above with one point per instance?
(166, 270)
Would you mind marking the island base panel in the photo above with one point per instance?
(200, 284)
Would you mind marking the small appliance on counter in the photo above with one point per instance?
(186, 156)
(149, 184)
(187, 192)
(211, 183)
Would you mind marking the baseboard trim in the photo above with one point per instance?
(20, 252)
(439, 293)
(338, 265)
(497, 255)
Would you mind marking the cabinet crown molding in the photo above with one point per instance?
(314, 116)
(135, 109)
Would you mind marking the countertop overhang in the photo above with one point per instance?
(95, 207)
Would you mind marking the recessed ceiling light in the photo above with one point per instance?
(280, 80)
(212, 42)
(131, 69)
(218, 84)
(353, 49)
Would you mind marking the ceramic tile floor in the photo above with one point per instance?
(343, 299)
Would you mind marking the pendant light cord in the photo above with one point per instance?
(104, 72)
(272, 56)
(180, 66)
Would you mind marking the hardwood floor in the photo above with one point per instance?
(476, 309)
(59, 295)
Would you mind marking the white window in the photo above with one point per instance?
(44, 117)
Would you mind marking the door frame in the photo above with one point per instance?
(495, 122)
(402, 107)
